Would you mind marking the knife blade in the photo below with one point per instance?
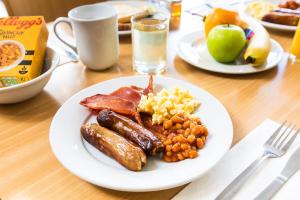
(291, 167)
(293, 164)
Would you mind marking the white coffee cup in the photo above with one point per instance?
(96, 36)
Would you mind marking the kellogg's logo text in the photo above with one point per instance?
(20, 23)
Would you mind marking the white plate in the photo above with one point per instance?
(136, 4)
(193, 49)
(278, 26)
(93, 166)
(268, 24)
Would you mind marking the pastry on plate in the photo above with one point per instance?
(126, 11)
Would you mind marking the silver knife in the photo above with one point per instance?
(292, 166)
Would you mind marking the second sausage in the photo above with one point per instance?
(131, 130)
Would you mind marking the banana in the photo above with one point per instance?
(259, 47)
(243, 24)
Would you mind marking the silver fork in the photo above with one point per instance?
(274, 147)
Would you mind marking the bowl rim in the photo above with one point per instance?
(40, 77)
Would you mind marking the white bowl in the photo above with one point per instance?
(26, 90)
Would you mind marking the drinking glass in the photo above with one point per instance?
(149, 43)
(295, 47)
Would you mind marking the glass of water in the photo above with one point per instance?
(149, 43)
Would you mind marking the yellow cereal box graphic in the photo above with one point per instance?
(23, 43)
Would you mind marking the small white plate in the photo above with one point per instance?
(193, 49)
(136, 4)
(269, 24)
(88, 163)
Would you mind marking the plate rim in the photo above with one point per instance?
(280, 27)
(141, 189)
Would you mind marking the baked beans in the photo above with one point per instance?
(185, 135)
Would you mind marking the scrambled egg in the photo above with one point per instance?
(167, 103)
(258, 9)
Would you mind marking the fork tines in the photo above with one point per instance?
(283, 137)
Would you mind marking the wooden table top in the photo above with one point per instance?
(28, 168)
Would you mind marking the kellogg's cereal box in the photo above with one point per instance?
(23, 43)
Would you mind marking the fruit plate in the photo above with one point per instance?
(269, 25)
(85, 161)
(193, 49)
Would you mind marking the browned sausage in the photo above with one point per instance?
(127, 154)
(156, 129)
(290, 4)
(131, 130)
(282, 18)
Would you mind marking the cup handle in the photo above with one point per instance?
(67, 21)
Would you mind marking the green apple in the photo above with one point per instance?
(225, 42)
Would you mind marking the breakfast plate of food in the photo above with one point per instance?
(230, 43)
(141, 133)
(126, 9)
(275, 14)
